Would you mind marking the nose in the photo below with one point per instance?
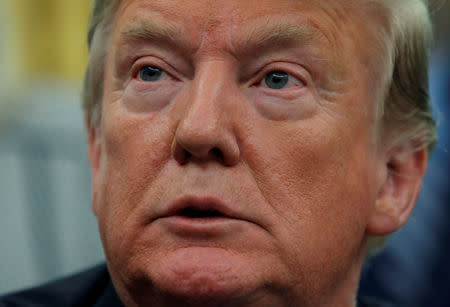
(205, 131)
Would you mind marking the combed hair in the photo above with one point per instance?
(400, 71)
(406, 110)
(99, 32)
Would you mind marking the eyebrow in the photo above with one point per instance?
(151, 30)
(251, 37)
(283, 33)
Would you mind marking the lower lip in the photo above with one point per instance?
(206, 226)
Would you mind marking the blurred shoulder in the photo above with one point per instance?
(365, 301)
(82, 289)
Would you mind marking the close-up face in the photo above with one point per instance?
(236, 156)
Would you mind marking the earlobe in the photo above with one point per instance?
(398, 192)
(94, 151)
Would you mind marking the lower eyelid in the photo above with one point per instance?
(296, 90)
(295, 76)
(142, 87)
(298, 84)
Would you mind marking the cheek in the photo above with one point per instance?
(148, 97)
(300, 106)
(317, 180)
(135, 148)
(134, 137)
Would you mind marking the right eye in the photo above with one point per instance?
(150, 73)
(278, 80)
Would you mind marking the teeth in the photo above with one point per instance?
(199, 213)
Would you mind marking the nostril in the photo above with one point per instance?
(216, 152)
(187, 155)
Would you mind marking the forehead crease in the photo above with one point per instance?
(270, 32)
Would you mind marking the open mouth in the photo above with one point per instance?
(201, 216)
(195, 213)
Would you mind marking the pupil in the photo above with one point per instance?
(150, 73)
(277, 79)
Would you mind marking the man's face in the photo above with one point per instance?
(235, 159)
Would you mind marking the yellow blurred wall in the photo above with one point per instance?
(47, 38)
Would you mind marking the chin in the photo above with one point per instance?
(194, 277)
(204, 273)
(204, 288)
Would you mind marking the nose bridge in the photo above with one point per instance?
(208, 99)
(209, 91)
(205, 129)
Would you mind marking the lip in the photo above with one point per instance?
(201, 203)
(228, 221)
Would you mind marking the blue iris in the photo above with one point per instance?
(276, 79)
(150, 73)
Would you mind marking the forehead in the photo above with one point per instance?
(235, 20)
(214, 13)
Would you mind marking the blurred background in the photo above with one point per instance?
(47, 228)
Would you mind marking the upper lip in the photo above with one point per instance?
(209, 203)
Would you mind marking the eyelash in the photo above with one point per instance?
(157, 64)
(137, 69)
(265, 71)
(260, 79)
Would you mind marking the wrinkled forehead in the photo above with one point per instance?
(336, 31)
(343, 33)
(200, 19)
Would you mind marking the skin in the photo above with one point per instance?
(299, 167)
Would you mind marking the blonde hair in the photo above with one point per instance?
(99, 32)
(406, 116)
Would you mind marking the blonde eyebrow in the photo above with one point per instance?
(260, 35)
(276, 34)
(154, 31)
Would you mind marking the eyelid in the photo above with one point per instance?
(284, 67)
(154, 62)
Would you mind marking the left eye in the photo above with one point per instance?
(279, 79)
(150, 73)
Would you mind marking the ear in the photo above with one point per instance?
(399, 188)
(94, 152)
